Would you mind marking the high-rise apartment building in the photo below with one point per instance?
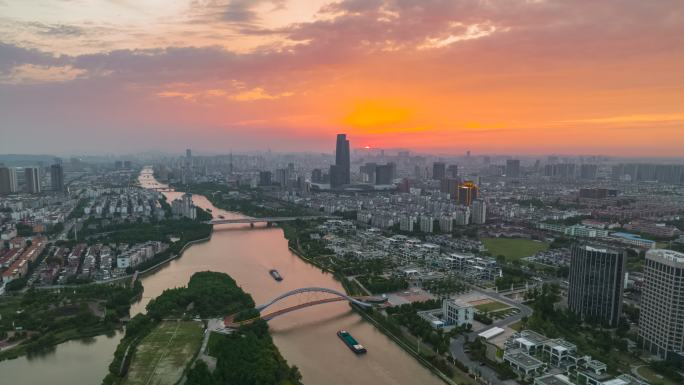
(438, 171)
(597, 276)
(385, 174)
(368, 172)
(467, 193)
(452, 171)
(32, 180)
(661, 317)
(479, 212)
(316, 175)
(588, 171)
(184, 207)
(513, 168)
(450, 186)
(264, 178)
(340, 173)
(57, 177)
(8, 180)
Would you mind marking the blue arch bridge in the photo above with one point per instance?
(229, 321)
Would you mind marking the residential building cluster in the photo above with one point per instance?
(15, 261)
(555, 361)
(415, 260)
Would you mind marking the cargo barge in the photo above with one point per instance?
(274, 273)
(354, 345)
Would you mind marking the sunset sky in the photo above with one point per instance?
(444, 76)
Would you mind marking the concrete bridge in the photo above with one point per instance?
(338, 296)
(267, 220)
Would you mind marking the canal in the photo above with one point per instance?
(306, 338)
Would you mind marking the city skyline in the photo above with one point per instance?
(519, 77)
(368, 192)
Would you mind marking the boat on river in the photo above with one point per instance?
(274, 273)
(352, 343)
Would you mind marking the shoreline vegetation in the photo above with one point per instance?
(218, 196)
(248, 356)
(97, 317)
(39, 320)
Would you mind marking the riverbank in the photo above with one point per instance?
(246, 356)
(140, 273)
(399, 340)
(248, 255)
(291, 232)
(41, 320)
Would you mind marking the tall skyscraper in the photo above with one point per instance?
(479, 214)
(32, 180)
(385, 174)
(597, 276)
(438, 171)
(188, 159)
(57, 177)
(264, 178)
(513, 168)
(368, 172)
(450, 186)
(661, 319)
(340, 173)
(467, 193)
(8, 180)
(317, 175)
(452, 171)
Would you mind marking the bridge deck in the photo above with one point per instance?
(229, 321)
(268, 219)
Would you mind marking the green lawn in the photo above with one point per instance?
(654, 378)
(163, 355)
(513, 248)
(517, 326)
(491, 306)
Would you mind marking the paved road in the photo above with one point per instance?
(457, 349)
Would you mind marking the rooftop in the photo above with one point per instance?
(487, 334)
(560, 345)
(632, 237)
(670, 255)
(553, 379)
(522, 359)
(531, 337)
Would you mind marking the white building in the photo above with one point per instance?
(456, 312)
(406, 223)
(456, 261)
(427, 224)
(661, 319)
(184, 207)
(479, 215)
(123, 261)
(462, 217)
(446, 224)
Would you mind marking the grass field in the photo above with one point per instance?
(517, 326)
(513, 248)
(654, 378)
(491, 306)
(162, 356)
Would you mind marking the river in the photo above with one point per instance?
(306, 338)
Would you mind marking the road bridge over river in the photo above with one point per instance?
(268, 219)
(337, 296)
